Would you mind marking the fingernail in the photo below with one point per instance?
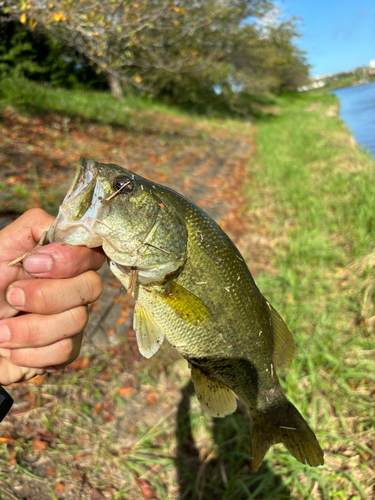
(37, 263)
(5, 353)
(15, 296)
(4, 333)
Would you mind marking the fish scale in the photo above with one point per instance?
(191, 286)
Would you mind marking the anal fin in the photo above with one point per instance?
(215, 398)
(149, 335)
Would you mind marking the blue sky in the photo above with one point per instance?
(338, 35)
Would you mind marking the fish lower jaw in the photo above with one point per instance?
(74, 232)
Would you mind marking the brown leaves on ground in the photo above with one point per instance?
(124, 391)
(146, 489)
(38, 445)
(40, 155)
(106, 400)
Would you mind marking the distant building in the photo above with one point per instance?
(372, 63)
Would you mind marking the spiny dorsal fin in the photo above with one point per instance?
(215, 398)
(149, 335)
(283, 342)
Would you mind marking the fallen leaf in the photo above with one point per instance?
(78, 456)
(38, 445)
(77, 475)
(75, 366)
(123, 391)
(7, 440)
(111, 331)
(146, 489)
(60, 487)
(12, 460)
(84, 363)
(98, 407)
(151, 398)
(36, 380)
(51, 471)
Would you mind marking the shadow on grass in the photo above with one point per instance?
(225, 473)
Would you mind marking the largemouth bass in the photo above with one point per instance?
(190, 285)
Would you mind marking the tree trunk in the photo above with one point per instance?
(115, 86)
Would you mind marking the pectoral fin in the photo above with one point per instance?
(149, 335)
(215, 398)
(186, 305)
(283, 342)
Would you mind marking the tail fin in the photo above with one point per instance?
(283, 424)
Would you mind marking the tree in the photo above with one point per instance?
(267, 59)
(140, 42)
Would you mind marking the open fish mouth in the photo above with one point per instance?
(80, 208)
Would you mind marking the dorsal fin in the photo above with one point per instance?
(215, 398)
(283, 342)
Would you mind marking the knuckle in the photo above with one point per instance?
(28, 334)
(95, 285)
(39, 298)
(66, 350)
(36, 213)
(78, 318)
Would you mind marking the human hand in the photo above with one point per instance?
(43, 301)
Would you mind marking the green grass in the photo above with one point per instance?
(320, 214)
(99, 107)
(310, 197)
(135, 113)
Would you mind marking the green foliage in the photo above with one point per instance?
(310, 183)
(17, 55)
(190, 53)
(39, 56)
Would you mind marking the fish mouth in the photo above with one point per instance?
(79, 210)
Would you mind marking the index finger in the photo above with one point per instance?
(60, 260)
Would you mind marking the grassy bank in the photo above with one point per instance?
(119, 426)
(347, 81)
(312, 191)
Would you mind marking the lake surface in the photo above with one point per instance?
(357, 109)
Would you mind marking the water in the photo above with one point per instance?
(357, 109)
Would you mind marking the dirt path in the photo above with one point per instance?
(38, 159)
(72, 431)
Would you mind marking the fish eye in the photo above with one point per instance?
(123, 184)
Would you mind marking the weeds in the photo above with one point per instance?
(121, 427)
(323, 220)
